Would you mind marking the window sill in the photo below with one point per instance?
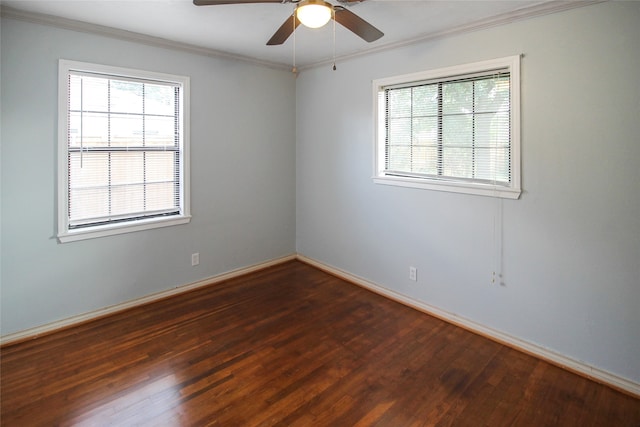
(112, 229)
(451, 187)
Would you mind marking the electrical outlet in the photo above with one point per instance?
(195, 259)
(413, 273)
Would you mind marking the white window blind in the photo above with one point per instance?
(454, 130)
(124, 148)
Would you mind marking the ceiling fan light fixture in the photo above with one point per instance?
(314, 13)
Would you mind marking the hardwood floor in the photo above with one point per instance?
(290, 346)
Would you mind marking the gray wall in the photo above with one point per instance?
(242, 179)
(568, 249)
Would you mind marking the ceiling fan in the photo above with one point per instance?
(313, 14)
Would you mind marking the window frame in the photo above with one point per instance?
(512, 191)
(64, 232)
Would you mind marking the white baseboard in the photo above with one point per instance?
(576, 366)
(85, 317)
(565, 362)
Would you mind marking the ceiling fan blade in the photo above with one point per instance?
(357, 25)
(214, 2)
(283, 33)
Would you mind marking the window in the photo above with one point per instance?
(452, 129)
(123, 150)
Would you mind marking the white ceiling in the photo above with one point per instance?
(243, 29)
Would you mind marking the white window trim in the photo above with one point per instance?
(511, 192)
(64, 234)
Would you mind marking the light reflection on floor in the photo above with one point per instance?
(150, 402)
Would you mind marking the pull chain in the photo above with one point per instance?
(294, 70)
(333, 12)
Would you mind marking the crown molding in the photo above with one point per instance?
(522, 14)
(540, 9)
(85, 27)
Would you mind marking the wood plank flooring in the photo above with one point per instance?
(290, 346)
